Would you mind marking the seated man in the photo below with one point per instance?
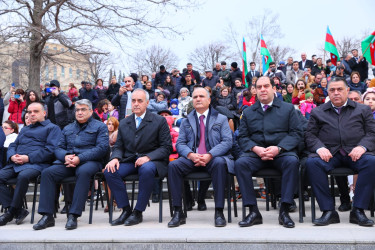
(341, 133)
(27, 157)
(80, 152)
(269, 136)
(204, 143)
(143, 146)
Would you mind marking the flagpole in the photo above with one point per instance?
(260, 58)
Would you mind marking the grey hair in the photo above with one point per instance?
(184, 89)
(84, 102)
(144, 91)
(338, 79)
(208, 93)
(357, 92)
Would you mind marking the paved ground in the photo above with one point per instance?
(199, 228)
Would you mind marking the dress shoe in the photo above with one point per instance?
(202, 205)
(65, 209)
(72, 222)
(358, 216)
(134, 219)
(5, 218)
(219, 218)
(285, 220)
(190, 205)
(21, 216)
(328, 217)
(254, 218)
(345, 207)
(178, 219)
(155, 198)
(291, 207)
(121, 220)
(46, 221)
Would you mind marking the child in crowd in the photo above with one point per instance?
(307, 105)
(174, 107)
(111, 111)
(369, 99)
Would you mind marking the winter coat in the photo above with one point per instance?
(15, 110)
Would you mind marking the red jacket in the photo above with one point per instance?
(15, 110)
(73, 92)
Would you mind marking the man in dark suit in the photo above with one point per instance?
(252, 73)
(359, 64)
(203, 145)
(143, 146)
(81, 150)
(195, 76)
(269, 136)
(305, 62)
(341, 133)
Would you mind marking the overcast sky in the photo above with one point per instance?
(303, 23)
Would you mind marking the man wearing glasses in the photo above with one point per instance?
(80, 153)
(27, 157)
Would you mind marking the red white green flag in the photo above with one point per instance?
(265, 54)
(244, 64)
(330, 46)
(368, 48)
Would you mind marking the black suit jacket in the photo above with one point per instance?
(361, 67)
(196, 75)
(354, 126)
(278, 126)
(249, 77)
(308, 63)
(152, 139)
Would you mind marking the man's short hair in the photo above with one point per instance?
(354, 50)
(84, 102)
(271, 80)
(223, 63)
(200, 87)
(144, 91)
(328, 61)
(189, 64)
(272, 63)
(338, 79)
(295, 62)
(356, 92)
(252, 63)
(40, 104)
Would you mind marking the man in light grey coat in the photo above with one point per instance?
(293, 75)
(203, 145)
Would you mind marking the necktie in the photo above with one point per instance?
(139, 120)
(253, 73)
(338, 110)
(202, 140)
(265, 107)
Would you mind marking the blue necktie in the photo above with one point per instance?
(139, 120)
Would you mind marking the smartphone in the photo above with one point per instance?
(122, 84)
(49, 90)
(17, 96)
(13, 85)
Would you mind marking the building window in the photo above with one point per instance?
(46, 73)
(54, 72)
(70, 73)
(85, 75)
(55, 48)
(78, 74)
(62, 72)
(45, 49)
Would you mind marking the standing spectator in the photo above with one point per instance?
(7, 97)
(272, 72)
(170, 86)
(149, 90)
(144, 80)
(252, 73)
(58, 105)
(11, 132)
(282, 67)
(289, 93)
(90, 94)
(122, 99)
(30, 97)
(356, 84)
(82, 89)
(177, 80)
(210, 79)
(299, 92)
(113, 88)
(321, 92)
(224, 74)
(2, 140)
(216, 70)
(154, 85)
(359, 64)
(305, 62)
(318, 67)
(235, 73)
(16, 105)
(161, 76)
(73, 92)
(294, 74)
(195, 77)
(289, 64)
(100, 89)
(137, 82)
(330, 68)
(188, 83)
(1, 107)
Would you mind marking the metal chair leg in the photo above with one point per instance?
(300, 198)
(34, 200)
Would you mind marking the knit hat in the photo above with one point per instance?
(369, 90)
(174, 101)
(308, 94)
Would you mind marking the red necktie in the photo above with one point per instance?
(202, 140)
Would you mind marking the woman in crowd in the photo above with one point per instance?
(321, 92)
(150, 91)
(249, 96)
(356, 84)
(10, 129)
(168, 85)
(73, 92)
(369, 99)
(238, 88)
(16, 105)
(225, 99)
(102, 108)
(299, 92)
(183, 101)
(289, 93)
(30, 97)
(144, 80)
(100, 89)
(158, 104)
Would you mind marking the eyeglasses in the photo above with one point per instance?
(83, 110)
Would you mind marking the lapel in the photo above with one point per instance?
(131, 122)
(212, 116)
(193, 123)
(258, 108)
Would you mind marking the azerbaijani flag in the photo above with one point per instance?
(330, 46)
(266, 56)
(244, 64)
(369, 54)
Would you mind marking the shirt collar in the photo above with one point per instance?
(341, 106)
(205, 113)
(269, 104)
(142, 116)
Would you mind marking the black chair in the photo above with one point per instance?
(133, 178)
(271, 173)
(205, 176)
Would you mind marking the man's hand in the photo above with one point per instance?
(205, 159)
(19, 159)
(194, 157)
(270, 153)
(129, 87)
(122, 90)
(357, 153)
(55, 91)
(71, 161)
(260, 151)
(324, 154)
(113, 165)
(142, 160)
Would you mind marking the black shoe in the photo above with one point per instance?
(202, 205)
(72, 222)
(178, 219)
(134, 219)
(293, 207)
(345, 207)
(21, 216)
(285, 220)
(328, 217)
(254, 218)
(155, 198)
(190, 205)
(219, 218)
(65, 209)
(358, 216)
(121, 220)
(5, 218)
(306, 196)
(44, 222)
